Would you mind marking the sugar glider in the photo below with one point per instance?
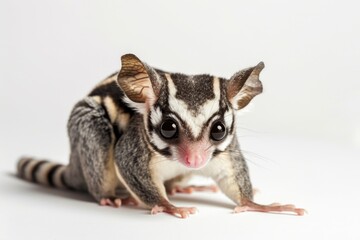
(141, 131)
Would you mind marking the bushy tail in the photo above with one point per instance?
(42, 172)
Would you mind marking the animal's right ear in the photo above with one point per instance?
(139, 82)
(244, 86)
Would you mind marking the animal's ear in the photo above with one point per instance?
(138, 81)
(244, 85)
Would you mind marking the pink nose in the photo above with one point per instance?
(194, 161)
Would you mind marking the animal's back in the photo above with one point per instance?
(110, 118)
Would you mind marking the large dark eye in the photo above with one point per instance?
(218, 131)
(169, 129)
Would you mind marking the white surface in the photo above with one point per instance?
(53, 52)
(323, 178)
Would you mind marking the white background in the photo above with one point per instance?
(301, 137)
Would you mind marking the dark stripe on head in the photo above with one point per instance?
(149, 123)
(36, 169)
(232, 124)
(187, 128)
(224, 102)
(51, 173)
(193, 90)
(163, 99)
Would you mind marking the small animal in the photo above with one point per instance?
(142, 132)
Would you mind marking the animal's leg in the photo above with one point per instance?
(92, 152)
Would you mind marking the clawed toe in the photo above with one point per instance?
(113, 202)
(182, 212)
(191, 189)
(129, 201)
(117, 202)
(274, 207)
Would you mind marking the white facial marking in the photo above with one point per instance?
(228, 118)
(159, 143)
(222, 146)
(156, 116)
(205, 111)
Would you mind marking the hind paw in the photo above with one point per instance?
(191, 189)
(117, 202)
(112, 202)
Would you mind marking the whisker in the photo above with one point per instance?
(181, 148)
(254, 163)
(249, 129)
(264, 158)
(247, 159)
(206, 149)
(245, 136)
(161, 161)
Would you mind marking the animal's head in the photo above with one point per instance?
(187, 118)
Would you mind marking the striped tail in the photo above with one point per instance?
(42, 172)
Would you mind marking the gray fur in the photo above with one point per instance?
(94, 146)
(194, 90)
(134, 165)
(91, 139)
(241, 169)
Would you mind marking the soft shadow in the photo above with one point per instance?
(34, 187)
(197, 200)
(30, 187)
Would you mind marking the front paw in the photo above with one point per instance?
(182, 212)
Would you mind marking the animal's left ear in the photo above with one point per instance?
(244, 85)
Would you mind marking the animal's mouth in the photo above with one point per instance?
(194, 163)
(193, 155)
